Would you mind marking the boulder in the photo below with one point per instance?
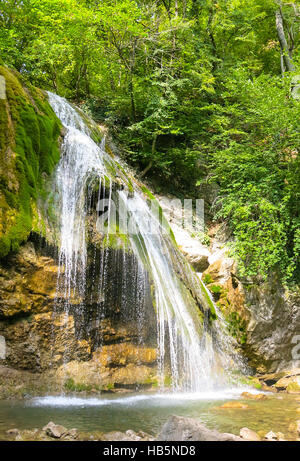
(295, 427)
(249, 435)
(270, 379)
(72, 434)
(273, 436)
(248, 395)
(198, 261)
(235, 405)
(268, 389)
(193, 249)
(179, 428)
(268, 314)
(196, 253)
(290, 382)
(274, 324)
(128, 436)
(13, 431)
(27, 435)
(55, 431)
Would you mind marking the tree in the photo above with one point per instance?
(193, 91)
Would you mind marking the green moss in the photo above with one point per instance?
(164, 222)
(168, 380)
(29, 150)
(116, 239)
(215, 289)
(251, 381)
(237, 327)
(123, 174)
(151, 381)
(293, 387)
(147, 192)
(108, 387)
(209, 301)
(71, 386)
(207, 279)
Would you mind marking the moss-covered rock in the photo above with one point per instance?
(112, 367)
(29, 150)
(228, 294)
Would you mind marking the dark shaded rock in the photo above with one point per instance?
(200, 262)
(179, 428)
(288, 381)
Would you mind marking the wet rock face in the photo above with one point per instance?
(265, 318)
(115, 366)
(101, 338)
(229, 295)
(27, 283)
(273, 331)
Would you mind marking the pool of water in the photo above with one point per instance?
(148, 412)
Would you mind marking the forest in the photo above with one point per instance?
(194, 93)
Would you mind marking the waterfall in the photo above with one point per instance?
(192, 346)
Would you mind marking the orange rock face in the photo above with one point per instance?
(42, 338)
(235, 405)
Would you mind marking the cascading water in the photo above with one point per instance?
(190, 358)
(193, 348)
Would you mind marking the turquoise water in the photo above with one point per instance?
(148, 412)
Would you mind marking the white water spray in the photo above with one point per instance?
(184, 336)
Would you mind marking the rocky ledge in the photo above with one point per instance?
(285, 381)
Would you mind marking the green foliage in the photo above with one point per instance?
(256, 163)
(193, 92)
(202, 237)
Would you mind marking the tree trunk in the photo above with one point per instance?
(288, 63)
(153, 149)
